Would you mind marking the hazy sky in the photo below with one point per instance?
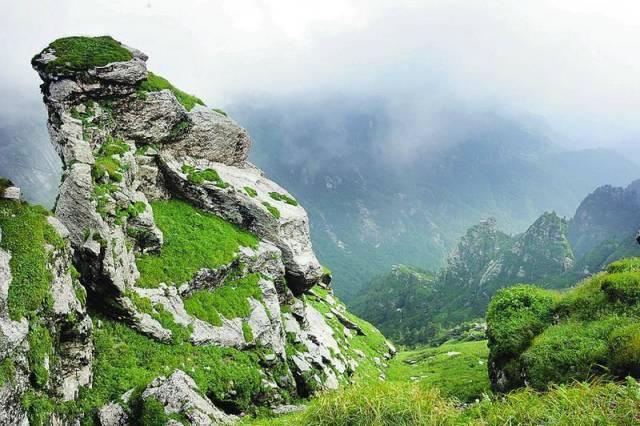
(574, 63)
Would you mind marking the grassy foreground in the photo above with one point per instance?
(404, 404)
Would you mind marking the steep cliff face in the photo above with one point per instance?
(484, 261)
(207, 296)
(45, 332)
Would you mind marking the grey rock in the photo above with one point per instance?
(11, 193)
(212, 137)
(179, 394)
(152, 119)
(289, 232)
(127, 72)
(113, 414)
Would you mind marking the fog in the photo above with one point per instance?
(572, 65)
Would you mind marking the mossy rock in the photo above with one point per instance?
(155, 83)
(79, 54)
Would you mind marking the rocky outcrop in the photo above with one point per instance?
(179, 394)
(128, 138)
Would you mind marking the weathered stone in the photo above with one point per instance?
(212, 137)
(179, 394)
(113, 414)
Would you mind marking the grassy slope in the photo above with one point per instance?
(463, 375)
(193, 239)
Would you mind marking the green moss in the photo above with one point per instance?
(193, 240)
(274, 211)
(624, 350)
(219, 111)
(52, 237)
(198, 177)
(23, 235)
(247, 332)
(284, 198)
(78, 54)
(250, 191)
(40, 352)
(230, 300)
(179, 333)
(155, 83)
(515, 316)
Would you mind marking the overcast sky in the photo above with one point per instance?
(574, 63)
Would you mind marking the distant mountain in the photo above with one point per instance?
(379, 196)
(609, 212)
(414, 308)
(552, 253)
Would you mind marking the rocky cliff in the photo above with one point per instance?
(206, 298)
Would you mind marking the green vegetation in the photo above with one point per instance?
(458, 370)
(79, 54)
(193, 240)
(515, 316)
(230, 300)
(23, 234)
(252, 192)
(7, 371)
(153, 413)
(219, 111)
(274, 211)
(551, 338)
(155, 83)
(391, 404)
(108, 166)
(284, 198)
(113, 146)
(39, 355)
(126, 360)
(198, 177)
(247, 332)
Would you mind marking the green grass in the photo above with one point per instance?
(230, 300)
(155, 83)
(126, 359)
(284, 198)
(273, 210)
(247, 332)
(462, 376)
(78, 54)
(250, 191)
(198, 177)
(109, 166)
(23, 235)
(193, 240)
(391, 404)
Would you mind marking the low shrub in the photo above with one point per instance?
(622, 287)
(515, 316)
(567, 352)
(624, 350)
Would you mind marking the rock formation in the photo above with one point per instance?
(150, 170)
